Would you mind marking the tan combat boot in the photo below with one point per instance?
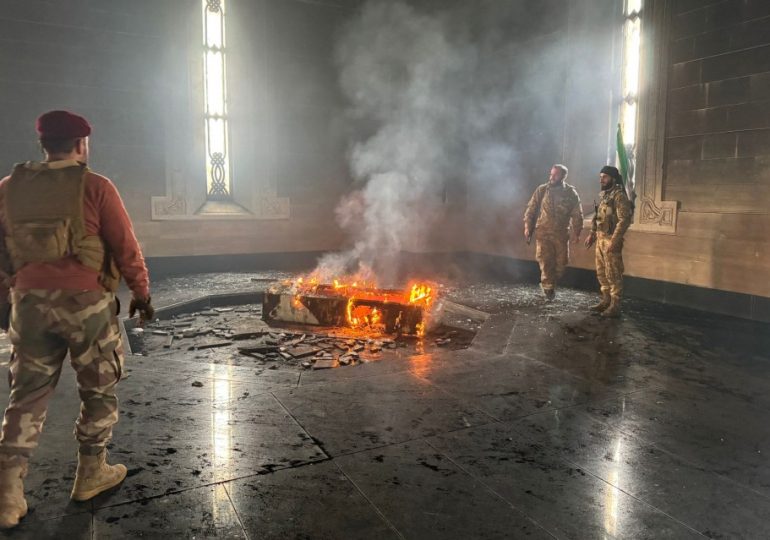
(13, 506)
(548, 293)
(603, 304)
(614, 310)
(94, 476)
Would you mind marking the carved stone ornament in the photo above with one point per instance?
(651, 214)
(168, 207)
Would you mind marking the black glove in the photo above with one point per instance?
(5, 316)
(143, 306)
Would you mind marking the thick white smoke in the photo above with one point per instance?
(435, 94)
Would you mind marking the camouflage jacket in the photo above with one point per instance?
(552, 209)
(614, 213)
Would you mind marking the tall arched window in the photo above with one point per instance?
(645, 66)
(218, 180)
(631, 62)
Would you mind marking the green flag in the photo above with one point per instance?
(622, 156)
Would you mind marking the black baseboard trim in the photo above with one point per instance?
(244, 262)
(744, 306)
(464, 264)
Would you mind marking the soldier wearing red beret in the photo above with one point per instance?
(65, 242)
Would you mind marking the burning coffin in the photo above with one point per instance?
(351, 305)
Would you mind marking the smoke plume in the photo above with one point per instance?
(437, 93)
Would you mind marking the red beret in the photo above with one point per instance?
(62, 125)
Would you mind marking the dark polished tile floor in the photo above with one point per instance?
(554, 424)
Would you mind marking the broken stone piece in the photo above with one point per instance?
(240, 334)
(259, 347)
(303, 351)
(324, 363)
(213, 344)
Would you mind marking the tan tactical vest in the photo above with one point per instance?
(44, 212)
(607, 212)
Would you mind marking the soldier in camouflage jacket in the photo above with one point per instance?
(553, 210)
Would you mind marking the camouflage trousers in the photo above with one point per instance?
(552, 254)
(45, 326)
(609, 265)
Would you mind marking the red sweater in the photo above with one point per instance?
(104, 215)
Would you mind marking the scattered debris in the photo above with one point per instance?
(241, 333)
(182, 324)
(303, 351)
(213, 344)
(190, 332)
(324, 363)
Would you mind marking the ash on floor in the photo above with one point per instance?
(239, 336)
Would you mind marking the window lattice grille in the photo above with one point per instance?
(218, 181)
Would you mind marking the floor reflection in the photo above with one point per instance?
(421, 364)
(221, 428)
(612, 498)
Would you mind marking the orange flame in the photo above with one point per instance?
(358, 316)
(359, 290)
(420, 293)
(420, 327)
(352, 321)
